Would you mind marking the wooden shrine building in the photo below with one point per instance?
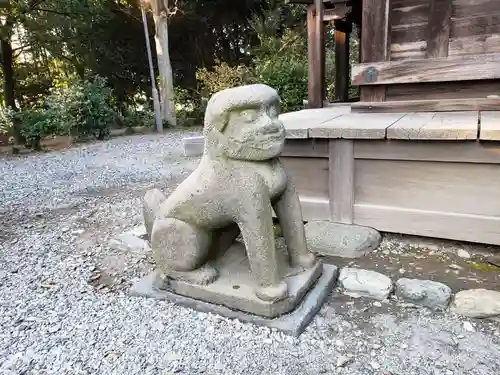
(419, 151)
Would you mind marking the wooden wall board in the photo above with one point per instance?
(409, 12)
(479, 25)
(310, 175)
(453, 68)
(474, 45)
(436, 126)
(307, 148)
(472, 8)
(448, 225)
(457, 152)
(461, 188)
(428, 105)
(490, 126)
(443, 90)
(315, 208)
(426, 188)
(356, 126)
(408, 51)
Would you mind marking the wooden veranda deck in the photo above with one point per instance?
(433, 174)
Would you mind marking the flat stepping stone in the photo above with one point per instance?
(431, 294)
(342, 240)
(365, 283)
(477, 303)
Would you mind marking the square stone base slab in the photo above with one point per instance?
(292, 323)
(235, 286)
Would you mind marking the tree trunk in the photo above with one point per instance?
(10, 84)
(166, 86)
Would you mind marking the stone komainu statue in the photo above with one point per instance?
(238, 182)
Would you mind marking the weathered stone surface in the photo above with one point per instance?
(292, 323)
(342, 240)
(477, 303)
(236, 186)
(424, 292)
(365, 283)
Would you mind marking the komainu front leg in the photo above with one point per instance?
(289, 214)
(256, 225)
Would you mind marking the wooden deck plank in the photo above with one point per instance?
(490, 126)
(355, 126)
(297, 123)
(436, 126)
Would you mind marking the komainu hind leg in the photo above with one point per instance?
(181, 250)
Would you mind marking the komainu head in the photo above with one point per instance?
(242, 123)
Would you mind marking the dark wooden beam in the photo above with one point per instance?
(375, 42)
(439, 28)
(440, 69)
(341, 38)
(427, 105)
(316, 55)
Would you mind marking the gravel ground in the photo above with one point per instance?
(64, 307)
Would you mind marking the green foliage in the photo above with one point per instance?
(81, 108)
(35, 125)
(134, 117)
(84, 108)
(6, 117)
(280, 59)
(289, 77)
(189, 107)
(222, 76)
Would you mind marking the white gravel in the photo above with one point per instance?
(59, 210)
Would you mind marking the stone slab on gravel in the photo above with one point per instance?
(427, 293)
(132, 241)
(292, 323)
(193, 146)
(342, 240)
(477, 303)
(365, 283)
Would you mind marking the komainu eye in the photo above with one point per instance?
(248, 114)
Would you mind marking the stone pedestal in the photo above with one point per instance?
(292, 323)
(234, 288)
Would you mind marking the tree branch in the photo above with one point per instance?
(57, 12)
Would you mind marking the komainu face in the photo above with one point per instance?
(254, 132)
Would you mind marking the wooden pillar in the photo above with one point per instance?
(341, 37)
(375, 42)
(316, 54)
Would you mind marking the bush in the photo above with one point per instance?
(35, 125)
(6, 118)
(222, 76)
(80, 108)
(190, 107)
(289, 77)
(134, 118)
(84, 108)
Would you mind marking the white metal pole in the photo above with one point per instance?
(156, 100)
